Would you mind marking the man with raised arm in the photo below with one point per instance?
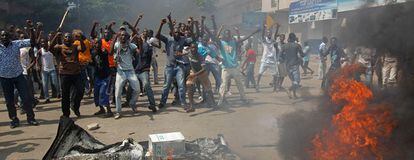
(70, 71)
(11, 76)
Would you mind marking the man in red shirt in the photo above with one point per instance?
(249, 65)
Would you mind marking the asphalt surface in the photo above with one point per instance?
(268, 128)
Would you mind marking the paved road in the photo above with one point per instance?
(271, 127)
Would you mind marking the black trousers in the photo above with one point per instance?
(68, 82)
(20, 83)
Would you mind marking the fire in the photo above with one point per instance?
(360, 130)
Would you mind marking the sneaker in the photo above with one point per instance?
(77, 113)
(153, 108)
(200, 98)
(212, 104)
(245, 101)
(117, 116)
(141, 94)
(134, 109)
(108, 114)
(100, 112)
(33, 122)
(22, 111)
(14, 123)
(36, 102)
(161, 105)
(222, 102)
(289, 93)
(229, 93)
(175, 102)
(190, 109)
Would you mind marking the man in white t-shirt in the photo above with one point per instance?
(46, 61)
(322, 59)
(27, 64)
(268, 61)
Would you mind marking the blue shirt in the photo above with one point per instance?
(10, 58)
(205, 50)
(228, 52)
(171, 47)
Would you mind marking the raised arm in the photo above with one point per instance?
(277, 31)
(39, 32)
(213, 20)
(203, 18)
(82, 47)
(132, 28)
(219, 32)
(170, 24)
(158, 35)
(54, 42)
(263, 31)
(31, 32)
(93, 31)
(247, 37)
(197, 34)
(110, 27)
(138, 19)
(114, 40)
(213, 37)
(237, 33)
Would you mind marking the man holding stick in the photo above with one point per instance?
(69, 70)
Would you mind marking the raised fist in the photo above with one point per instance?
(163, 21)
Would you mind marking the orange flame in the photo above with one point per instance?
(359, 131)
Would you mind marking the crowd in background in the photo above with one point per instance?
(108, 63)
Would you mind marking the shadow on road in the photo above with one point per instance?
(297, 129)
(21, 148)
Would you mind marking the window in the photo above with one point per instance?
(275, 3)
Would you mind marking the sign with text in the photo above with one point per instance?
(348, 5)
(312, 10)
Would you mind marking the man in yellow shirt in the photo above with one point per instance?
(85, 58)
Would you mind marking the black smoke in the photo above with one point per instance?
(390, 28)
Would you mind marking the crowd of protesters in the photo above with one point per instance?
(112, 62)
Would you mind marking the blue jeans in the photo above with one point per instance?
(144, 77)
(216, 71)
(122, 76)
(46, 76)
(250, 75)
(89, 79)
(100, 91)
(19, 82)
(154, 66)
(177, 72)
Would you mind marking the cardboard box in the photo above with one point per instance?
(165, 145)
